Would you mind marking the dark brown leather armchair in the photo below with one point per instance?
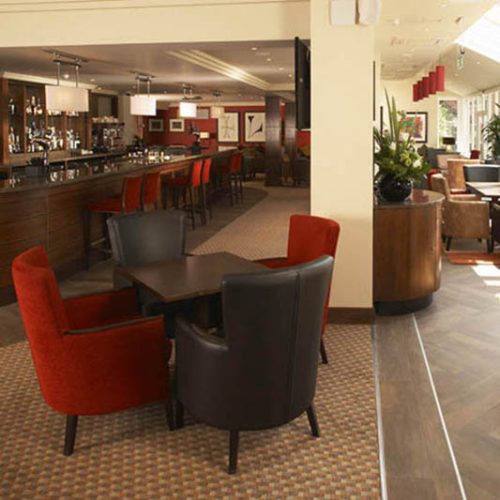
(262, 374)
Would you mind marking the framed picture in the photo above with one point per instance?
(156, 125)
(202, 114)
(176, 125)
(255, 126)
(228, 127)
(421, 126)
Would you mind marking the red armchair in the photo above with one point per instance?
(92, 355)
(309, 237)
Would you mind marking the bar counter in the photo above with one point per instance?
(48, 210)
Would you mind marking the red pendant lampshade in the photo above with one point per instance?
(416, 96)
(420, 85)
(433, 82)
(426, 85)
(441, 74)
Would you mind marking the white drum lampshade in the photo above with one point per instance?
(71, 99)
(216, 111)
(187, 109)
(143, 105)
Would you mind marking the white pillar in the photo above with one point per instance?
(342, 148)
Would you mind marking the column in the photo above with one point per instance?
(342, 149)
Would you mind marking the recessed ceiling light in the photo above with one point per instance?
(66, 76)
(281, 69)
(254, 48)
(268, 59)
(478, 62)
(92, 80)
(396, 22)
(290, 75)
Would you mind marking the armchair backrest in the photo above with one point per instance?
(44, 316)
(142, 238)
(482, 173)
(440, 185)
(311, 237)
(272, 324)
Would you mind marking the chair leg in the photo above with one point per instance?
(86, 238)
(179, 415)
(448, 243)
(204, 203)
(241, 186)
(193, 211)
(322, 351)
(169, 410)
(69, 439)
(490, 245)
(313, 421)
(234, 438)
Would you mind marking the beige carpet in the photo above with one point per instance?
(133, 455)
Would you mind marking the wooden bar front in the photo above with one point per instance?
(407, 253)
(51, 215)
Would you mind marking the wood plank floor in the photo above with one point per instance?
(418, 463)
(461, 334)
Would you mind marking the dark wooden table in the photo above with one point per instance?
(189, 277)
(485, 189)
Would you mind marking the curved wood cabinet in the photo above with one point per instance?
(407, 252)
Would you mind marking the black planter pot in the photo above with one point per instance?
(391, 188)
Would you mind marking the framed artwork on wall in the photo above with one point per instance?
(421, 126)
(255, 126)
(228, 127)
(156, 125)
(176, 125)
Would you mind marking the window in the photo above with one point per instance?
(448, 120)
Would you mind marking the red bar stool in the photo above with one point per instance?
(128, 201)
(228, 174)
(206, 188)
(236, 177)
(189, 183)
(150, 191)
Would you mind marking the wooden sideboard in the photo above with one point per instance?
(407, 252)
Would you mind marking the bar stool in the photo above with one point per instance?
(150, 191)
(236, 175)
(227, 174)
(128, 201)
(206, 188)
(189, 183)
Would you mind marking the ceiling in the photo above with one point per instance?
(411, 36)
(241, 71)
(414, 35)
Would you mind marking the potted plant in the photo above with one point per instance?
(396, 156)
(491, 134)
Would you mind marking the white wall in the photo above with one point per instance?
(342, 148)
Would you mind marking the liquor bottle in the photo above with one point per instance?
(28, 107)
(12, 107)
(77, 141)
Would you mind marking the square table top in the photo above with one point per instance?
(189, 277)
(486, 189)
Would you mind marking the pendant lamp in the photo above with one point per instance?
(426, 86)
(416, 97)
(69, 99)
(143, 104)
(433, 82)
(441, 75)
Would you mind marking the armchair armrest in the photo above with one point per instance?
(467, 219)
(465, 197)
(202, 366)
(106, 308)
(117, 366)
(274, 262)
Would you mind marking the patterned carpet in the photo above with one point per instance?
(132, 454)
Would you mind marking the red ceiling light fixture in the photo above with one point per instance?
(441, 76)
(416, 96)
(420, 90)
(426, 84)
(433, 82)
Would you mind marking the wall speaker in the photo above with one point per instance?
(343, 12)
(369, 11)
